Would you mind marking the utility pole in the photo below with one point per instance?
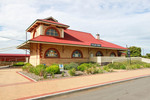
(26, 41)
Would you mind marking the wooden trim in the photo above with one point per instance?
(34, 33)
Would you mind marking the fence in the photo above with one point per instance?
(104, 60)
(146, 60)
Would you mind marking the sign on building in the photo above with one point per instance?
(95, 45)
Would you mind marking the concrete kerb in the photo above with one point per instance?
(27, 77)
(2, 67)
(81, 88)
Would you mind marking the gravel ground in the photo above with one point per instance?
(57, 76)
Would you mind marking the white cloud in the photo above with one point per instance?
(118, 21)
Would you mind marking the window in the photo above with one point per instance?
(52, 32)
(112, 54)
(52, 53)
(77, 54)
(99, 53)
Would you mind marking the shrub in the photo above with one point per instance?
(53, 75)
(122, 67)
(72, 72)
(146, 65)
(26, 67)
(70, 66)
(32, 69)
(38, 70)
(45, 75)
(100, 70)
(84, 66)
(91, 70)
(106, 68)
(19, 64)
(63, 74)
(53, 69)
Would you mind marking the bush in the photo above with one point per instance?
(72, 72)
(122, 67)
(45, 75)
(106, 68)
(63, 74)
(53, 69)
(26, 67)
(84, 66)
(70, 66)
(19, 64)
(39, 70)
(32, 69)
(100, 70)
(146, 65)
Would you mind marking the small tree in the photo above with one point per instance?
(148, 55)
(135, 51)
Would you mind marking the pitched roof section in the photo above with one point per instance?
(76, 38)
(45, 21)
(53, 22)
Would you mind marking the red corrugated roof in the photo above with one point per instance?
(24, 55)
(52, 22)
(78, 38)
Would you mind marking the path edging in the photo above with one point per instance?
(27, 77)
(81, 88)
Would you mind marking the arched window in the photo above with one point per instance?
(52, 53)
(99, 53)
(112, 54)
(52, 32)
(77, 54)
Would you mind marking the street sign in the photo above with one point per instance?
(128, 52)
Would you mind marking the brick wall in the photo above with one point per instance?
(37, 54)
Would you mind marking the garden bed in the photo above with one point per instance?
(58, 76)
(43, 72)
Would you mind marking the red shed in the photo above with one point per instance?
(14, 57)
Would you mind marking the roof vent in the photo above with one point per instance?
(97, 36)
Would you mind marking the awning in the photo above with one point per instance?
(25, 45)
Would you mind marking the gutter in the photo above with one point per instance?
(30, 41)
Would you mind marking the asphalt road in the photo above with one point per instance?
(138, 89)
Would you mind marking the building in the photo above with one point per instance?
(52, 42)
(14, 57)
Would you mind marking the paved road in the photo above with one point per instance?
(138, 89)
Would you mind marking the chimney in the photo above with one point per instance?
(97, 36)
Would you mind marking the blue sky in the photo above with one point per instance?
(123, 22)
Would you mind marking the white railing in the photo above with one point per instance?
(106, 59)
(146, 60)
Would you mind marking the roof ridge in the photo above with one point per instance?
(79, 31)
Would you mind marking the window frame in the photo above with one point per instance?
(79, 52)
(54, 29)
(113, 53)
(52, 49)
(100, 52)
